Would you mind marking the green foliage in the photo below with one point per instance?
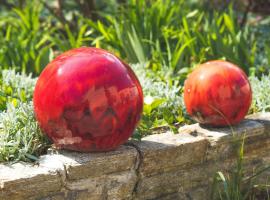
(24, 39)
(20, 135)
(236, 185)
(163, 108)
(168, 35)
(261, 91)
(262, 57)
(15, 88)
(222, 37)
(67, 39)
(163, 103)
(174, 34)
(133, 31)
(230, 184)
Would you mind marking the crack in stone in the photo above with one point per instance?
(138, 163)
(63, 181)
(104, 194)
(64, 178)
(68, 193)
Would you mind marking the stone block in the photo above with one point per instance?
(224, 142)
(162, 152)
(55, 196)
(180, 181)
(164, 166)
(263, 118)
(173, 196)
(247, 128)
(113, 186)
(25, 181)
(85, 195)
(82, 165)
(199, 193)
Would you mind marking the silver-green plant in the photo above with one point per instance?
(261, 91)
(20, 135)
(15, 88)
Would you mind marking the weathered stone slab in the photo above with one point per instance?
(263, 118)
(85, 195)
(55, 196)
(247, 128)
(164, 166)
(258, 165)
(196, 182)
(193, 194)
(113, 186)
(161, 152)
(223, 142)
(24, 181)
(73, 195)
(53, 171)
(257, 146)
(82, 165)
(198, 193)
(172, 196)
(180, 181)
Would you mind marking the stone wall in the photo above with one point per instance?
(163, 166)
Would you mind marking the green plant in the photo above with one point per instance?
(167, 35)
(15, 88)
(23, 46)
(261, 90)
(220, 36)
(260, 31)
(163, 108)
(20, 135)
(163, 103)
(135, 31)
(236, 185)
(175, 35)
(68, 39)
(231, 185)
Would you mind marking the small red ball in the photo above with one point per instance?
(217, 93)
(87, 99)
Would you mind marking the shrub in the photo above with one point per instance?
(15, 88)
(261, 91)
(163, 103)
(20, 135)
(24, 39)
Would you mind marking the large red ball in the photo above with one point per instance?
(217, 93)
(88, 100)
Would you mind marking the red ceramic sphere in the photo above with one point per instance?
(217, 93)
(87, 99)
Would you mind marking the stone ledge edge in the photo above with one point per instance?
(56, 166)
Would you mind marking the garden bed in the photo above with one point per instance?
(164, 42)
(161, 166)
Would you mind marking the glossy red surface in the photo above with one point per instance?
(217, 93)
(88, 100)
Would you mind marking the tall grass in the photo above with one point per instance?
(29, 39)
(24, 40)
(237, 184)
(169, 36)
(66, 39)
(175, 34)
